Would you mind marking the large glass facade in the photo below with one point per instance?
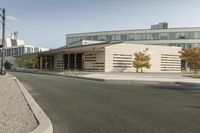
(142, 37)
(20, 51)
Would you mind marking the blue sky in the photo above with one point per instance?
(46, 22)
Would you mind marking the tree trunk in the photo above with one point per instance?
(141, 70)
(137, 70)
(195, 69)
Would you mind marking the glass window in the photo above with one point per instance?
(23, 50)
(164, 36)
(180, 35)
(85, 38)
(15, 51)
(149, 36)
(28, 50)
(144, 36)
(190, 35)
(197, 35)
(102, 38)
(109, 38)
(69, 40)
(155, 36)
(36, 49)
(138, 37)
(172, 36)
(131, 37)
(196, 45)
(123, 37)
(94, 38)
(115, 37)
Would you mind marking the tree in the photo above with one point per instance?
(141, 61)
(192, 57)
(28, 61)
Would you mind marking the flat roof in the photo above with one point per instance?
(135, 30)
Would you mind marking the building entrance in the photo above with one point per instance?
(73, 61)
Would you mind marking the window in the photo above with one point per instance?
(197, 35)
(155, 36)
(164, 36)
(144, 36)
(115, 37)
(36, 49)
(85, 38)
(109, 38)
(123, 37)
(180, 35)
(138, 37)
(23, 50)
(190, 35)
(94, 38)
(172, 36)
(102, 38)
(131, 37)
(149, 36)
(69, 40)
(15, 51)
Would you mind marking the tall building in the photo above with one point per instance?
(160, 34)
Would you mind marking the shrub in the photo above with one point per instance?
(8, 65)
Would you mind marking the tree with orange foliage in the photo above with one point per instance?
(141, 60)
(192, 57)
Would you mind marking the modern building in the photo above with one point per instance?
(15, 47)
(109, 57)
(159, 34)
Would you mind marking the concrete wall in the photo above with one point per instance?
(94, 61)
(122, 55)
(58, 61)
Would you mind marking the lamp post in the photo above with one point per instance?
(2, 14)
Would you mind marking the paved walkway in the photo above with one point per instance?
(15, 115)
(164, 77)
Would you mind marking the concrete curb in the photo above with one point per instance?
(124, 81)
(45, 125)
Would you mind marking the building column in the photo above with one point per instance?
(46, 63)
(40, 67)
(52, 63)
(75, 61)
(83, 59)
(68, 61)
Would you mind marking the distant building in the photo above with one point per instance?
(16, 47)
(163, 25)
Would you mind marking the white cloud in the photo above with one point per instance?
(12, 18)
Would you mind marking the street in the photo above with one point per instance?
(84, 106)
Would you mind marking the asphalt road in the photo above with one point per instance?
(83, 106)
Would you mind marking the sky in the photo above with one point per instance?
(45, 23)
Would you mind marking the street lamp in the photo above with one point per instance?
(2, 14)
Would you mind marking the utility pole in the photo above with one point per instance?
(3, 72)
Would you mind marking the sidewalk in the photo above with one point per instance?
(122, 77)
(15, 114)
(160, 77)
